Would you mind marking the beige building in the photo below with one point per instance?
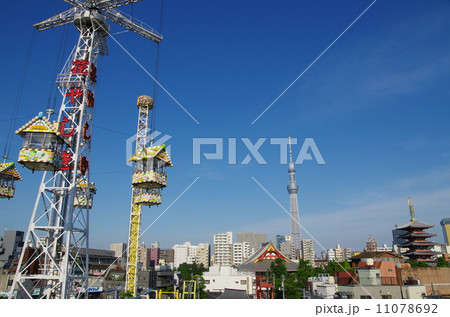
(203, 254)
(307, 247)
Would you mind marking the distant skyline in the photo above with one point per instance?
(375, 104)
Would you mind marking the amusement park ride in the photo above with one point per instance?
(148, 178)
(52, 263)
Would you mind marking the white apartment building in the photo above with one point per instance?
(187, 253)
(223, 249)
(220, 277)
(241, 252)
(331, 255)
(184, 253)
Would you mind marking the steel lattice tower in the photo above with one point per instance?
(135, 214)
(149, 177)
(54, 261)
(293, 189)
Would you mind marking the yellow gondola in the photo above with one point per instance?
(42, 146)
(84, 196)
(8, 174)
(150, 167)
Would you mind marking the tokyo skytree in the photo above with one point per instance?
(293, 189)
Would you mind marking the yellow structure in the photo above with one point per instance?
(445, 223)
(149, 177)
(171, 295)
(189, 289)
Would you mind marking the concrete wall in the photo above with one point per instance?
(375, 291)
(434, 278)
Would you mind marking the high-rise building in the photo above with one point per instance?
(279, 239)
(292, 190)
(120, 249)
(339, 254)
(184, 253)
(223, 249)
(308, 250)
(255, 240)
(371, 244)
(241, 252)
(154, 254)
(203, 254)
(287, 249)
(331, 255)
(10, 246)
(348, 253)
(144, 256)
(166, 257)
(445, 223)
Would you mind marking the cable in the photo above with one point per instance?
(61, 49)
(155, 85)
(12, 123)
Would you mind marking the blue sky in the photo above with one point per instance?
(376, 105)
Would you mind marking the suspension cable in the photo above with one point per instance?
(155, 85)
(7, 149)
(59, 57)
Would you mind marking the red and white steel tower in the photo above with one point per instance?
(54, 260)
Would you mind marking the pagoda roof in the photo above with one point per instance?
(158, 151)
(260, 261)
(416, 253)
(417, 243)
(415, 224)
(39, 124)
(417, 235)
(10, 169)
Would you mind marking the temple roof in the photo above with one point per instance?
(9, 169)
(229, 293)
(39, 124)
(414, 224)
(376, 254)
(260, 261)
(158, 151)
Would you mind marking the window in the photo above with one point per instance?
(389, 270)
(366, 297)
(243, 282)
(206, 281)
(386, 296)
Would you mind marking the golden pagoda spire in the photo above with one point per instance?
(411, 209)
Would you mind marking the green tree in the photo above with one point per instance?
(304, 270)
(185, 271)
(415, 263)
(275, 272)
(441, 262)
(334, 266)
(200, 286)
(125, 295)
(188, 271)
